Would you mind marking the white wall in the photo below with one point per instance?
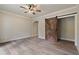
(14, 27)
(41, 19)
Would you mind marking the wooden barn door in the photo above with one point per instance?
(51, 29)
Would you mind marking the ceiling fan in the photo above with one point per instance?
(31, 8)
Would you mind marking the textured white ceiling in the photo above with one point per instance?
(46, 8)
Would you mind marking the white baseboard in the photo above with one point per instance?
(6, 40)
(67, 39)
(41, 37)
(21, 37)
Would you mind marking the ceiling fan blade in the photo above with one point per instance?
(38, 10)
(33, 13)
(22, 7)
(33, 5)
(25, 12)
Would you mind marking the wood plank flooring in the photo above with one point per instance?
(35, 46)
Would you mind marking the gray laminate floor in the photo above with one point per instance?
(35, 46)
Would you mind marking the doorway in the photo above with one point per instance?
(35, 29)
(66, 28)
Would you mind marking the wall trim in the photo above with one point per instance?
(21, 37)
(41, 37)
(67, 39)
(18, 38)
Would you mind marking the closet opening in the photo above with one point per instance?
(66, 29)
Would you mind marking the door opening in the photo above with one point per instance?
(35, 29)
(66, 28)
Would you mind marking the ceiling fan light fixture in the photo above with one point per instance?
(31, 8)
